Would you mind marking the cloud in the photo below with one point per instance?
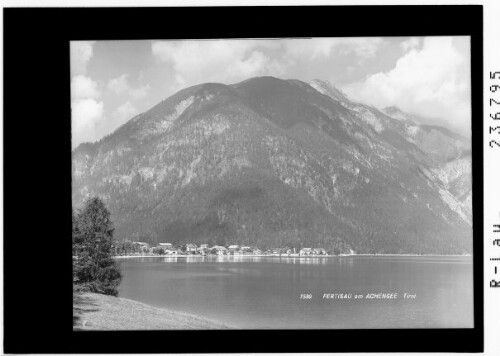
(86, 114)
(221, 61)
(362, 47)
(310, 48)
(411, 43)
(80, 54)
(83, 87)
(324, 47)
(88, 119)
(432, 82)
(230, 61)
(140, 92)
(119, 84)
(89, 122)
(123, 113)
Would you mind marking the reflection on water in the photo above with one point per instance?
(348, 262)
(244, 259)
(307, 260)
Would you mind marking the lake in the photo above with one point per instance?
(283, 293)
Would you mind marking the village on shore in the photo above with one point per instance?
(136, 248)
(168, 249)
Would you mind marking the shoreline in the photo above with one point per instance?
(273, 256)
(92, 311)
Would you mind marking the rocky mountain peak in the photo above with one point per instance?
(398, 114)
(327, 88)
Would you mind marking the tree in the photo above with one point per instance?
(94, 268)
(158, 251)
(126, 247)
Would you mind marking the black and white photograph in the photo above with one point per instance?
(245, 178)
(278, 183)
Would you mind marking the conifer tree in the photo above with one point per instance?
(94, 268)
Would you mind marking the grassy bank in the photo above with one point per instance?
(101, 312)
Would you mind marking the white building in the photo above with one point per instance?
(191, 248)
(306, 251)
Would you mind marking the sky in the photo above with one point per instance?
(112, 81)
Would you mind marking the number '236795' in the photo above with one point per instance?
(495, 116)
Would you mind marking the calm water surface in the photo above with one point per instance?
(265, 292)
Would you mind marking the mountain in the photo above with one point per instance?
(450, 151)
(326, 88)
(273, 162)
